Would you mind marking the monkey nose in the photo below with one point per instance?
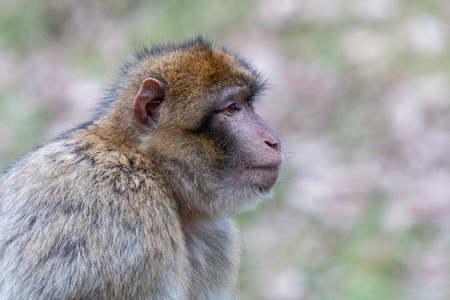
(274, 145)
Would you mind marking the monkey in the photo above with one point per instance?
(138, 202)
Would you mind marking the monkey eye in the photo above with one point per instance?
(231, 109)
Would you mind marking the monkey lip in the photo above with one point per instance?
(269, 166)
(265, 168)
(267, 173)
(263, 176)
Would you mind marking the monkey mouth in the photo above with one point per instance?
(266, 173)
(263, 176)
(265, 168)
(270, 166)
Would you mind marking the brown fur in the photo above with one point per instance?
(112, 210)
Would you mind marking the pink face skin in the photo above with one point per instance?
(259, 150)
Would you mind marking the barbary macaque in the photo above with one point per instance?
(138, 202)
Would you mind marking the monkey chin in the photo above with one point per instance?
(252, 203)
(245, 191)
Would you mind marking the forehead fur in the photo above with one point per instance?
(197, 50)
(190, 70)
(194, 61)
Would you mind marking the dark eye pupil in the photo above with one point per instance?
(231, 108)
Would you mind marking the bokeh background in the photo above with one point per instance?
(359, 94)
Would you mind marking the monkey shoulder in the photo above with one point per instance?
(76, 170)
(81, 211)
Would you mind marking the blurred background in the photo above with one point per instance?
(359, 94)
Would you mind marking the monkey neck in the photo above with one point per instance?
(104, 134)
(189, 215)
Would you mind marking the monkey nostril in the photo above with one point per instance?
(275, 146)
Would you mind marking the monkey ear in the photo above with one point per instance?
(147, 104)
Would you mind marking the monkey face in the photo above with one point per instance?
(200, 128)
(254, 157)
